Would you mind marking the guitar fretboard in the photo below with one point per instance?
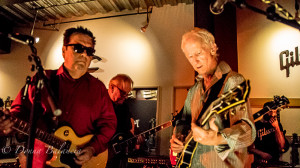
(47, 138)
(148, 132)
(260, 113)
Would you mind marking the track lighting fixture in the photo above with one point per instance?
(143, 29)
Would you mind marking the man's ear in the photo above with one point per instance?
(214, 49)
(63, 51)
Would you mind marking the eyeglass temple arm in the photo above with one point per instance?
(97, 58)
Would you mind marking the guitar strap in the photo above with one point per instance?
(215, 90)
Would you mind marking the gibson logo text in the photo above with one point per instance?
(288, 59)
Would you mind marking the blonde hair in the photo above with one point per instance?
(204, 37)
(122, 81)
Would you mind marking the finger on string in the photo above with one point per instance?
(212, 125)
(198, 129)
(177, 141)
(175, 138)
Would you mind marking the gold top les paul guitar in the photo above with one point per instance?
(232, 98)
(64, 143)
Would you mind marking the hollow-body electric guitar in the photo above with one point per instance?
(232, 98)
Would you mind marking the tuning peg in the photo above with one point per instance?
(32, 67)
(233, 112)
(243, 108)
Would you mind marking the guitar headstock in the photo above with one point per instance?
(231, 98)
(278, 102)
(235, 95)
(282, 101)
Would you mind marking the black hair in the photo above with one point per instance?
(80, 30)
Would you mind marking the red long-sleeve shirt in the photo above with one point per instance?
(85, 105)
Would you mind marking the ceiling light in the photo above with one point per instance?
(143, 29)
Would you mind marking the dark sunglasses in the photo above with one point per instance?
(122, 93)
(78, 48)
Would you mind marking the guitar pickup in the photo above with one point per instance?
(117, 148)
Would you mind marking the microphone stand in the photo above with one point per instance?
(42, 81)
(270, 13)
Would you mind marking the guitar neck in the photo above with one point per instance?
(260, 113)
(150, 131)
(45, 137)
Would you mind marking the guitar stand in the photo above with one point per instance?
(294, 152)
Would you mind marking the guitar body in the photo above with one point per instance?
(185, 159)
(62, 158)
(98, 161)
(218, 108)
(62, 145)
(115, 148)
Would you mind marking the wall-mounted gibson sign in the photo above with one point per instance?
(288, 59)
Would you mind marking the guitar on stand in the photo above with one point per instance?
(264, 119)
(277, 104)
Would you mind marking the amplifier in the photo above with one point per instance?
(149, 162)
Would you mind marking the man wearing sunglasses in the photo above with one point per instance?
(118, 90)
(83, 99)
